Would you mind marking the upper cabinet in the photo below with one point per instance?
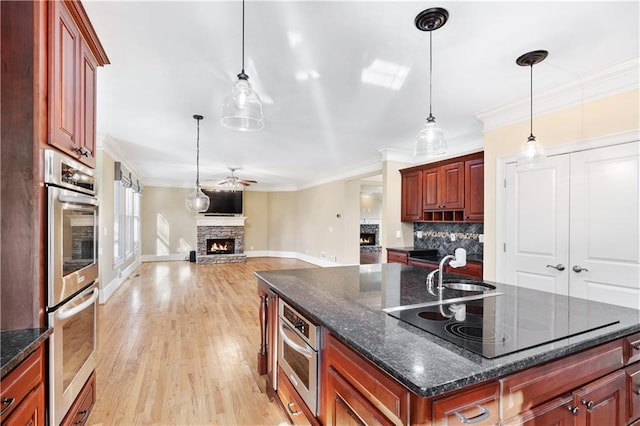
(74, 55)
(449, 190)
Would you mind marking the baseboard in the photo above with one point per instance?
(292, 255)
(163, 257)
(107, 291)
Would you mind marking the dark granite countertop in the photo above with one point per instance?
(16, 345)
(348, 301)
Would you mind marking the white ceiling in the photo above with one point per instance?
(173, 59)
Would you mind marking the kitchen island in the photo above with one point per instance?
(348, 302)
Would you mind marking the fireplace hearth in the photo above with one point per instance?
(220, 246)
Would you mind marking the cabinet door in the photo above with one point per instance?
(411, 196)
(557, 412)
(474, 190)
(346, 406)
(430, 181)
(30, 411)
(88, 105)
(603, 401)
(64, 113)
(633, 392)
(451, 188)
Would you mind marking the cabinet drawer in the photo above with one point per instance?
(19, 382)
(632, 348)
(291, 401)
(396, 256)
(81, 407)
(633, 392)
(476, 406)
(529, 388)
(381, 390)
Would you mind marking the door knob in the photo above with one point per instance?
(559, 267)
(577, 268)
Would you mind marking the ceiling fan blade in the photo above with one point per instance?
(222, 182)
(247, 181)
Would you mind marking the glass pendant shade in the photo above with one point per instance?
(242, 108)
(197, 201)
(532, 154)
(430, 140)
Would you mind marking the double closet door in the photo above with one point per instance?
(573, 226)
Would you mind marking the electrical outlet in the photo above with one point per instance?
(452, 236)
(323, 255)
(481, 238)
(398, 234)
(419, 234)
(334, 259)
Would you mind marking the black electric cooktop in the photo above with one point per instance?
(500, 324)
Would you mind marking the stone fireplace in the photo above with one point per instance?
(370, 237)
(220, 240)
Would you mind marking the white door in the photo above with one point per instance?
(537, 223)
(581, 212)
(605, 225)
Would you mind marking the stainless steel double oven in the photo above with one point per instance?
(72, 274)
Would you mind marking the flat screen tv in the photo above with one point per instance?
(223, 203)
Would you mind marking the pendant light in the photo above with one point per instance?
(242, 108)
(197, 201)
(532, 154)
(430, 140)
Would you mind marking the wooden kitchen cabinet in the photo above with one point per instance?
(74, 55)
(632, 373)
(411, 209)
(443, 187)
(474, 190)
(82, 406)
(268, 352)
(354, 391)
(479, 406)
(22, 392)
(440, 191)
(397, 256)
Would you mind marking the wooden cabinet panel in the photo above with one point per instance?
(451, 188)
(347, 406)
(82, 406)
(72, 100)
(476, 406)
(474, 190)
(471, 269)
(632, 348)
(19, 383)
(367, 384)
(411, 203)
(30, 411)
(556, 412)
(430, 180)
(602, 402)
(633, 392)
(397, 257)
(293, 405)
(529, 388)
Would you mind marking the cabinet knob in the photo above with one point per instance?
(588, 404)
(573, 410)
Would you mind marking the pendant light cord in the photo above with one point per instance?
(430, 69)
(198, 155)
(242, 36)
(531, 132)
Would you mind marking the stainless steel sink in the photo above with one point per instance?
(468, 287)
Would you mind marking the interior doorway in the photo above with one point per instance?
(371, 203)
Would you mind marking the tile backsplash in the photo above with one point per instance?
(437, 235)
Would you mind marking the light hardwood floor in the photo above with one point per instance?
(177, 346)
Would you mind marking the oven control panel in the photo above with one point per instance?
(303, 327)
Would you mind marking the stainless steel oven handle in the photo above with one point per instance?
(78, 199)
(285, 332)
(64, 314)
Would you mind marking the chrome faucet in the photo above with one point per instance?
(460, 259)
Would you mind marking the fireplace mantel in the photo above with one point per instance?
(220, 220)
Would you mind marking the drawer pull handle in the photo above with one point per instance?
(291, 410)
(7, 403)
(475, 419)
(636, 346)
(588, 404)
(84, 417)
(573, 410)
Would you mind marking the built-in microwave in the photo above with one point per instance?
(298, 355)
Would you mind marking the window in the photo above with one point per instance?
(126, 222)
(118, 195)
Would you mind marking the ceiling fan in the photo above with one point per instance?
(232, 182)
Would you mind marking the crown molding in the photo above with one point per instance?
(618, 78)
(109, 145)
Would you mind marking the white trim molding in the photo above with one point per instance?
(619, 78)
(107, 291)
